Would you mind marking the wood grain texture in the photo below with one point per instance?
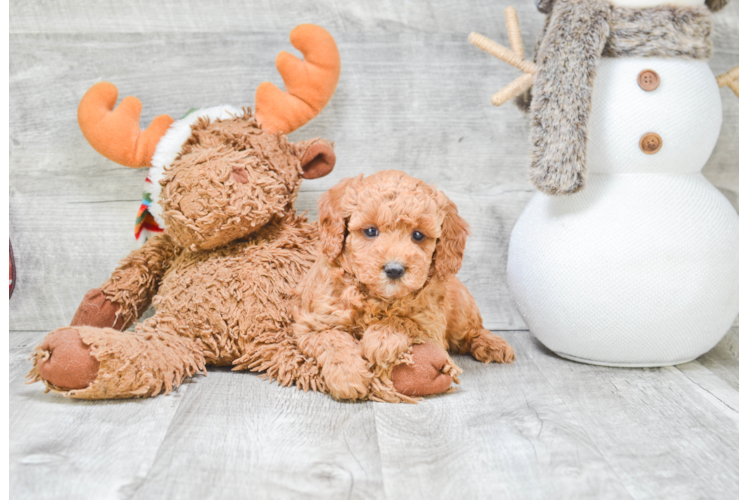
(236, 436)
(62, 448)
(504, 434)
(569, 430)
(723, 360)
(662, 437)
(413, 95)
(542, 427)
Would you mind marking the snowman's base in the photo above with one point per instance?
(624, 365)
(636, 270)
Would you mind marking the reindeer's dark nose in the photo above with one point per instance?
(240, 174)
(394, 270)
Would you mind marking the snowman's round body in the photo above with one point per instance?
(639, 268)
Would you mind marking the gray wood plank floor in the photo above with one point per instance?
(413, 95)
(541, 428)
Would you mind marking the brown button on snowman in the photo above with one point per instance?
(648, 80)
(650, 143)
(627, 256)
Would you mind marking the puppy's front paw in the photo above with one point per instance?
(488, 347)
(349, 381)
(431, 372)
(384, 348)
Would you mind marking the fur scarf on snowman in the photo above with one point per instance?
(577, 33)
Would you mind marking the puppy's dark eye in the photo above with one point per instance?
(418, 236)
(371, 232)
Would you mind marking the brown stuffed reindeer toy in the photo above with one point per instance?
(219, 275)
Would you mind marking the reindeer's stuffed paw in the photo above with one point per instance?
(97, 310)
(431, 372)
(64, 361)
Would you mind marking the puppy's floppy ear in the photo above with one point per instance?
(450, 247)
(333, 213)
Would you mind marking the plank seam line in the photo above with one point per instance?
(379, 446)
(715, 396)
(141, 480)
(583, 429)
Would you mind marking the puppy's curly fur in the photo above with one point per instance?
(357, 322)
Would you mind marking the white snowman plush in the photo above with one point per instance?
(627, 256)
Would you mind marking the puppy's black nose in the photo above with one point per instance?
(394, 270)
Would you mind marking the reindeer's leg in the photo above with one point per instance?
(102, 363)
(127, 293)
(465, 332)
(426, 375)
(405, 361)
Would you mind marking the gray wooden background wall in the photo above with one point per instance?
(413, 95)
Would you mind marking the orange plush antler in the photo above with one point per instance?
(115, 133)
(310, 83)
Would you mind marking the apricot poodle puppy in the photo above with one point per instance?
(381, 307)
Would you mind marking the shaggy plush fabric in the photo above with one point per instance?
(246, 174)
(221, 273)
(357, 322)
(129, 365)
(220, 277)
(149, 220)
(576, 34)
(137, 278)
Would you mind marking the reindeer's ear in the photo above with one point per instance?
(317, 158)
(450, 246)
(333, 212)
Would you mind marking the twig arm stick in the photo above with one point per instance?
(512, 90)
(501, 52)
(730, 79)
(514, 56)
(513, 30)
